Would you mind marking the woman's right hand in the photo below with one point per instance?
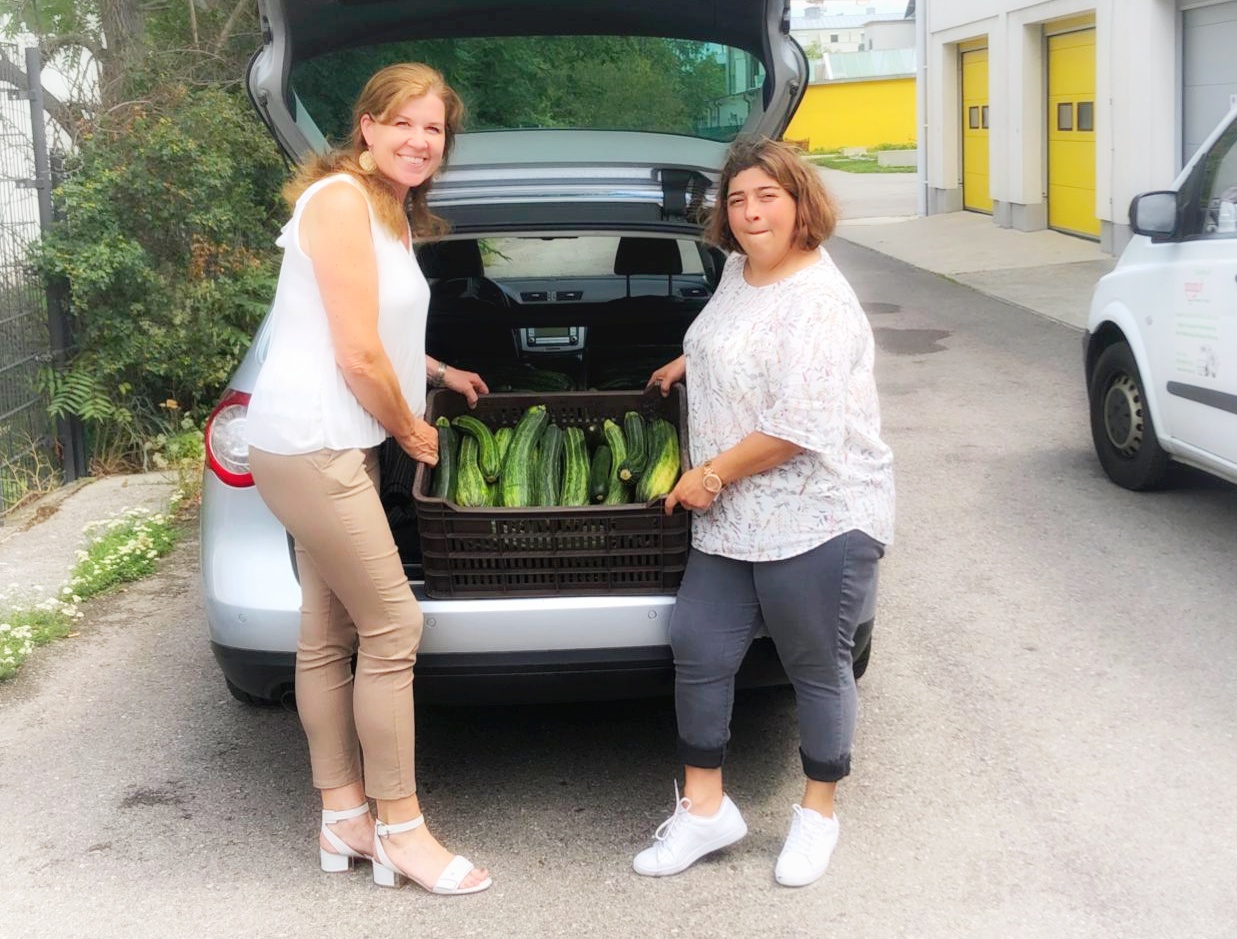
(422, 443)
(668, 374)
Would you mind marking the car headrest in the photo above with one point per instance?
(648, 256)
(442, 260)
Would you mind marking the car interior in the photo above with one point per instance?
(555, 313)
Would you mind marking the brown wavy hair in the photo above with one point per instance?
(382, 95)
(816, 214)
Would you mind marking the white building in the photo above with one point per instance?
(1055, 114)
(848, 32)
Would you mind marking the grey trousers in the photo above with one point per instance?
(811, 605)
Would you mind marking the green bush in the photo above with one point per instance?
(165, 237)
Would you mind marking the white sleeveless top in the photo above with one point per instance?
(300, 401)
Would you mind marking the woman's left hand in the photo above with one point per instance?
(689, 492)
(469, 384)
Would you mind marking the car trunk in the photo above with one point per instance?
(577, 329)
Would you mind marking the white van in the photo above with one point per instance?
(1160, 349)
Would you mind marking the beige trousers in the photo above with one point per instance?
(355, 598)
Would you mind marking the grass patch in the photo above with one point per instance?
(856, 164)
(23, 631)
(121, 549)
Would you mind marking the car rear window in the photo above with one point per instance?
(588, 82)
(590, 256)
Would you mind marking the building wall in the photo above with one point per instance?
(1137, 101)
(855, 114)
(896, 34)
(848, 40)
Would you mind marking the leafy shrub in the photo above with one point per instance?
(165, 237)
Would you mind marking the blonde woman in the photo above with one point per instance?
(346, 368)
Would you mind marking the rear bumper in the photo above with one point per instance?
(522, 677)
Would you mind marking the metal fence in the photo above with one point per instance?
(35, 453)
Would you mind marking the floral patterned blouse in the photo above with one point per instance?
(792, 360)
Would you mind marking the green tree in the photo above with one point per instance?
(167, 213)
(167, 245)
(539, 81)
(121, 50)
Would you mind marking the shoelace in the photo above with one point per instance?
(681, 808)
(804, 833)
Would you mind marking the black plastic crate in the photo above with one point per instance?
(553, 550)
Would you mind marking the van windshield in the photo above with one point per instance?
(629, 83)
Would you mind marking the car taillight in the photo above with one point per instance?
(227, 450)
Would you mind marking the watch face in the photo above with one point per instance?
(712, 482)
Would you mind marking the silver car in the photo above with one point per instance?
(595, 136)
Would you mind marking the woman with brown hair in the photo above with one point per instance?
(346, 367)
(792, 490)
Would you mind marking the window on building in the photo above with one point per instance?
(983, 117)
(1065, 116)
(833, 37)
(1086, 115)
(972, 118)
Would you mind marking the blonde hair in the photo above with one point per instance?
(382, 95)
(816, 214)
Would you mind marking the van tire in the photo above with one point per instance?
(1121, 426)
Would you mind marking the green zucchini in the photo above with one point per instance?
(618, 448)
(634, 436)
(549, 466)
(516, 476)
(443, 486)
(599, 474)
(471, 491)
(575, 468)
(619, 493)
(662, 470)
(487, 449)
(502, 438)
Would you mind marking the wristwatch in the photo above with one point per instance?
(711, 481)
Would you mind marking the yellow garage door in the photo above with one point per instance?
(1071, 133)
(976, 194)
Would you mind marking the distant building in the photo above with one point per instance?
(1055, 114)
(818, 33)
(861, 90)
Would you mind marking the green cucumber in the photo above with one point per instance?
(487, 449)
(502, 439)
(516, 476)
(443, 486)
(575, 467)
(599, 474)
(662, 471)
(549, 466)
(471, 490)
(634, 436)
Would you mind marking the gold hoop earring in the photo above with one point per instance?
(367, 162)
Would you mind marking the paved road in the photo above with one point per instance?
(1046, 745)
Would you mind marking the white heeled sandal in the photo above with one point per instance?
(386, 874)
(342, 857)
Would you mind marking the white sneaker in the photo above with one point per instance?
(808, 848)
(683, 838)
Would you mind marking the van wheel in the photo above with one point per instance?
(1121, 425)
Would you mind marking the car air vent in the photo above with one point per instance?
(569, 295)
(534, 296)
(693, 292)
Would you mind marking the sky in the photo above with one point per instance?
(840, 7)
